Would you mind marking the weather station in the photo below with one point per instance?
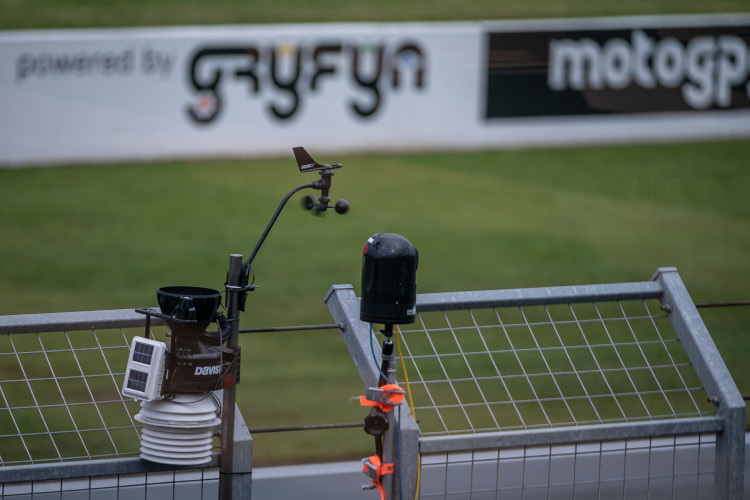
(186, 386)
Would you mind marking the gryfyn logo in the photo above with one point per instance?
(284, 75)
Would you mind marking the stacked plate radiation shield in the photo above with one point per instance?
(179, 430)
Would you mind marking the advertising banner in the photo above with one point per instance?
(70, 96)
(605, 71)
(233, 91)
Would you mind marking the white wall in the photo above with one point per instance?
(127, 94)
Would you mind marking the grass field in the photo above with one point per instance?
(107, 237)
(102, 237)
(20, 14)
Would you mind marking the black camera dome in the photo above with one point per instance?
(389, 280)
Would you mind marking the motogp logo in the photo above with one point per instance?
(283, 76)
(706, 69)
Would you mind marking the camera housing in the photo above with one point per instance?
(389, 280)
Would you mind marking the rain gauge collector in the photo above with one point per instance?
(176, 380)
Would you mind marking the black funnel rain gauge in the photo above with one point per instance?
(175, 381)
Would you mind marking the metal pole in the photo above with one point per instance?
(344, 306)
(273, 220)
(390, 439)
(226, 468)
(716, 380)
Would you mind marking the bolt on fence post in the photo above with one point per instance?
(226, 468)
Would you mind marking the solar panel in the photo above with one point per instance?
(145, 369)
(137, 380)
(142, 353)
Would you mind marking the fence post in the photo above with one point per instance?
(405, 479)
(716, 379)
(235, 470)
(344, 305)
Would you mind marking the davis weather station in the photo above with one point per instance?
(184, 383)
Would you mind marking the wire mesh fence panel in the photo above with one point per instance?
(500, 369)
(548, 365)
(674, 467)
(196, 484)
(66, 431)
(60, 397)
(538, 392)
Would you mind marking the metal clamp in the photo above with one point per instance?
(375, 469)
(385, 397)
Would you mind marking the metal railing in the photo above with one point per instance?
(536, 393)
(591, 391)
(64, 423)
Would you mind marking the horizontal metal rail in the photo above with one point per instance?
(74, 321)
(114, 318)
(91, 468)
(572, 434)
(128, 318)
(537, 296)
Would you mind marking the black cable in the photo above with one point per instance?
(306, 427)
(724, 304)
(275, 216)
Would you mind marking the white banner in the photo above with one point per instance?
(127, 94)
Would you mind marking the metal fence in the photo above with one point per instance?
(65, 428)
(600, 391)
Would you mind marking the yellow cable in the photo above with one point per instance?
(419, 474)
(403, 366)
(411, 404)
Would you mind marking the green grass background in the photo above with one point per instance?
(101, 237)
(22, 14)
